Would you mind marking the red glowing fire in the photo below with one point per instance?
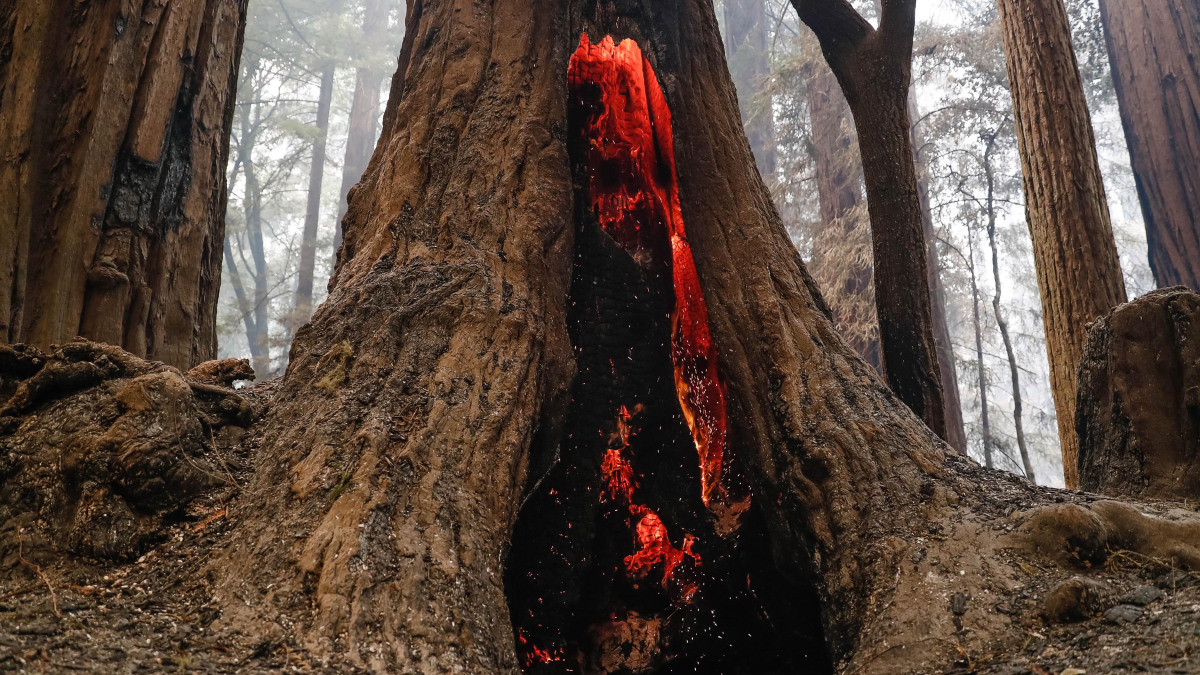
(629, 135)
(532, 654)
(627, 148)
(654, 544)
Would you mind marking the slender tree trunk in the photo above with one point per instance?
(846, 282)
(312, 214)
(239, 293)
(750, 66)
(985, 427)
(1078, 272)
(1018, 424)
(114, 129)
(956, 434)
(873, 68)
(258, 321)
(1153, 47)
(362, 129)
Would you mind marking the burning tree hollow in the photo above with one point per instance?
(636, 550)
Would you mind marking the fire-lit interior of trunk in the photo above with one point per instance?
(639, 549)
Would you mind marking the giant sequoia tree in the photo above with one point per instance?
(1078, 272)
(573, 405)
(1152, 47)
(114, 129)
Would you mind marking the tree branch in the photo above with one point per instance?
(897, 24)
(838, 26)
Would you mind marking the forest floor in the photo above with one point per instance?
(158, 614)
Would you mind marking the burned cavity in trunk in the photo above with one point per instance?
(639, 548)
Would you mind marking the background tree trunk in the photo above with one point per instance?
(255, 311)
(1078, 272)
(114, 128)
(363, 127)
(312, 214)
(985, 426)
(956, 434)
(873, 68)
(1153, 47)
(845, 279)
(990, 207)
(750, 66)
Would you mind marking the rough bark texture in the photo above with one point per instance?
(395, 453)
(1138, 415)
(114, 129)
(873, 68)
(1079, 275)
(750, 66)
(99, 448)
(1154, 50)
(362, 129)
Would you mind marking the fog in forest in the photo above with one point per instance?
(966, 149)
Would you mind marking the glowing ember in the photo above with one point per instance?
(655, 548)
(635, 196)
(654, 544)
(532, 654)
(618, 477)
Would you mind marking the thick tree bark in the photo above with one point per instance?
(873, 68)
(394, 459)
(114, 128)
(1153, 47)
(750, 66)
(1139, 399)
(956, 434)
(362, 129)
(312, 215)
(1078, 272)
(845, 278)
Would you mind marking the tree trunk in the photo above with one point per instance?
(750, 66)
(985, 427)
(1139, 399)
(1078, 272)
(956, 434)
(841, 267)
(255, 313)
(1152, 47)
(362, 130)
(873, 68)
(312, 214)
(440, 367)
(1000, 322)
(114, 125)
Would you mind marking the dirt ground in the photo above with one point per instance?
(1135, 614)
